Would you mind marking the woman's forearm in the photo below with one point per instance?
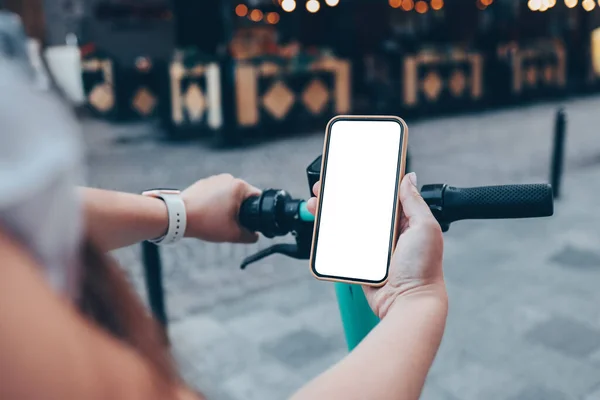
(117, 219)
(393, 360)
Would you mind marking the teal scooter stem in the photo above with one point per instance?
(357, 317)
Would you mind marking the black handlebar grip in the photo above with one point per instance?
(496, 202)
(249, 215)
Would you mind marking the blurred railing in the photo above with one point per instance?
(207, 95)
(537, 69)
(99, 85)
(271, 91)
(444, 79)
(195, 93)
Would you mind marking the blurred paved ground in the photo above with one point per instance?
(525, 316)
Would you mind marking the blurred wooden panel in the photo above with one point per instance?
(99, 86)
(273, 92)
(541, 66)
(195, 94)
(446, 79)
(246, 95)
(595, 50)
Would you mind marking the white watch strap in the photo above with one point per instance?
(177, 215)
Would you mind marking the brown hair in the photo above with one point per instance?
(109, 300)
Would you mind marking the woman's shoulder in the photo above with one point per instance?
(41, 135)
(13, 43)
(41, 156)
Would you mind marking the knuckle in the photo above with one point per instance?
(432, 226)
(239, 185)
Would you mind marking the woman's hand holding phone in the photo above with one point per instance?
(416, 266)
(412, 305)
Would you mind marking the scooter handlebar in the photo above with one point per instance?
(496, 202)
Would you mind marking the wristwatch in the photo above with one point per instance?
(176, 211)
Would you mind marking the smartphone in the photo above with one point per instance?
(358, 210)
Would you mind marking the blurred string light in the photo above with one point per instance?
(332, 3)
(421, 7)
(571, 3)
(588, 5)
(256, 15)
(408, 5)
(483, 4)
(544, 5)
(272, 18)
(288, 5)
(437, 4)
(534, 5)
(241, 10)
(312, 6)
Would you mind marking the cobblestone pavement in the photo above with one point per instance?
(524, 320)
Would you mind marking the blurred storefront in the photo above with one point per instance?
(236, 67)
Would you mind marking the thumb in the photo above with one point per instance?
(413, 206)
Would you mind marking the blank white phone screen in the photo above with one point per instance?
(358, 198)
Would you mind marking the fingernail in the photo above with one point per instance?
(412, 177)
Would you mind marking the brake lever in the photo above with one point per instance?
(290, 250)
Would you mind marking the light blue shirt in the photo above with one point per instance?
(40, 164)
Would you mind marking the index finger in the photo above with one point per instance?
(245, 190)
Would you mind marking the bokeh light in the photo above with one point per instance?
(437, 4)
(588, 5)
(421, 7)
(256, 15)
(312, 6)
(272, 18)
(408, 5)
(288, 5)
(571, 3)
(241, 10)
